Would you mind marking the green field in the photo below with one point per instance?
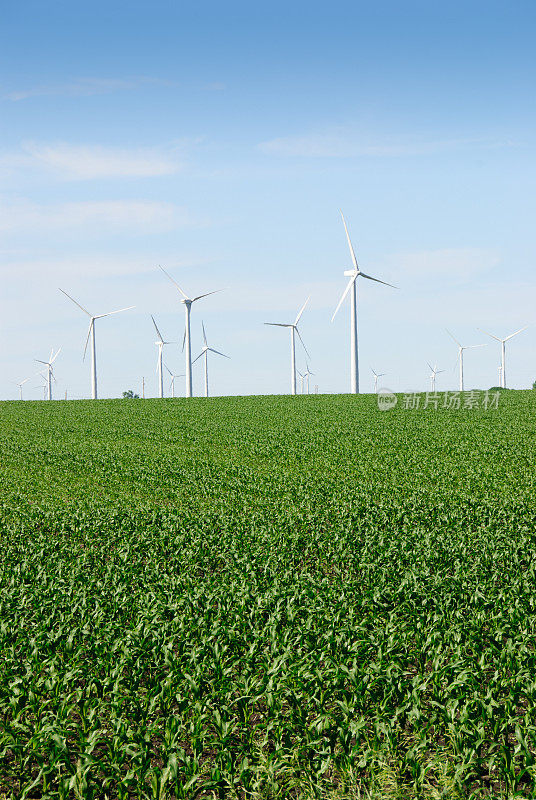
(267, 598)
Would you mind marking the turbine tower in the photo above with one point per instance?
(91, 334)
(302, 381)
(376, 376)
(172, 382)
(186, 342)
(160, 344)
(354, 274)
(461, 348)
(435, 371)
(20, 385)
(50, 371)
(503, 351)
(293, 329)
(204, 352)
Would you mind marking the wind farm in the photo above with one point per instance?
(304, 376)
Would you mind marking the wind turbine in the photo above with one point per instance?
(376, 376)
(91, 333)
(186, 340)
(435, 371)
(20, 385)
(354, 274)
(503, 351)
(302, 379)
(461, 348)
(293, 329)
(204, 352)
(50, 372)
(173, 376)
(160, 344)
(308, 372)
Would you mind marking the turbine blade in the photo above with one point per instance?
(40, 362)
(55, 357)
(431, 367)
(370, 278)
(280, 324)
(76, 303)
(168, 369)
(204, 334)
(470, 346)
(87, 337)
(202, 353)
(156, 327)
(490, 334)
(452, 337)
(354, 259)
(348, 287)
(199, 296)
(174, 282)
(515, 334)
(301, 340)
(109, 313)
(300, 312)
(184, 339)
(218, 352)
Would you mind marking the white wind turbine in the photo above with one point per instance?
(461, 348)
(302, 381)
(354, 274)
(186, 342)
(50, 372)
(376, 376)
(204, 352)
(91, 334)
(172, 382)
(435, 371)
(20, 385)
(306, 376)
(159, 364)
(503, 351)
(293, 329)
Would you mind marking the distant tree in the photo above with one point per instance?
(130, 395)
(534, 385)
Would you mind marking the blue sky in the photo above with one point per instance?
(220, 140)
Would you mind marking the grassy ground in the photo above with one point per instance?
(267, 598)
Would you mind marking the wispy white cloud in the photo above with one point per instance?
(110, 216)
(85, 87)
(346, 144)
(86, 162)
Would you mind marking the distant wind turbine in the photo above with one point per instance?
(435, 371)
(186, 342)
(20, 385)
(354, 274)
(302, 381)
(172, 382)
(306, 376)
(50, 372)
(204, 352)
(461, 348)
(91, 334)
(293, 329)
(376, 376)
(160, 344)
(503, 351)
